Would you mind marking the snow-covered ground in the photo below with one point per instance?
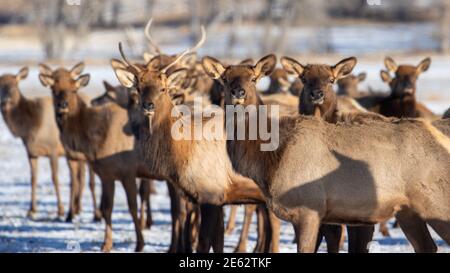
(46, 234)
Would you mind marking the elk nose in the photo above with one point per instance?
(317, 95)
(240, 93)
(148, 106)
(63, 104)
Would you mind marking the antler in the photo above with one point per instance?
(190, 50)
(149, 37)
(125, 59)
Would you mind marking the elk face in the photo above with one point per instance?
(318, 80)
(404, 82)
(64, 85)
(279, 81)
(153, 86)
(239, 81)
(349, 85)
(9, 89)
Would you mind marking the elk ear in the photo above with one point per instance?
(362, 77)
(45, 69)
(23, 74)
(265, 66)
(385, 76)
(213, 67)
(108, 86)
(344, 68)
(424, 65)
(292, 66)
(46, 80)
(177, 78)
(116, 64)
(126, 78)
(390, 64)
(76, 71)
(248, 61)
(83, 80)
(189, 60)
(148, 57)
(178, 99)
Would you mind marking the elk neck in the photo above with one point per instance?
(23, 117)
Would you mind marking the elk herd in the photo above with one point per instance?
(347, 159)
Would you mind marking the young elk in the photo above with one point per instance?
(348, 86)
(336, 173)
(102, 135)
(402, 101)
(32, 120)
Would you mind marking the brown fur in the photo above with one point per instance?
(349, 86)
(327, 173)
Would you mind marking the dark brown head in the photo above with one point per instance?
(152, 83)
(64, 85)
(279, 81)
(404, 82)
(318, 79)
(349, 86)
(9, 89)
(113, 94)
(239, 81)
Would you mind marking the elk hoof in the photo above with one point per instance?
(31, 214)
(149, 224)
(107, 247)
(97, 216)
(240, 250)
(139, 247)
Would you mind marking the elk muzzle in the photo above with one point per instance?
(148, 108)
(238, 96)
(317, 97)
(62, 107)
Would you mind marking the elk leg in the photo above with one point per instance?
(34, 173)
(275, 225)
(384, 229)
(242, 245)
(219, 238)
(332, 234)
(264, 230)
(188, 227)
(308, 223)
(231, 224)
(359, 237)
(107, 203)
(97, 213)
(175, 213)
(81, 173)
(442, 229)
(74, 184)
(416, 232)
(211, 224)
(131, 191)
(144, 192)
(55, 179)
(195, 226)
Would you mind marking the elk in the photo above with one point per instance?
(447, 114)
(348, 86)
(33, 121)
(336, 173)
(120, 96)
(402, 100)
(200, 168)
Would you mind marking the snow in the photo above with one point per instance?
(46, 234)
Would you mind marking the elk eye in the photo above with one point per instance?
(163, 90)
(254, 80)
(332, 80)
(303, 80)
